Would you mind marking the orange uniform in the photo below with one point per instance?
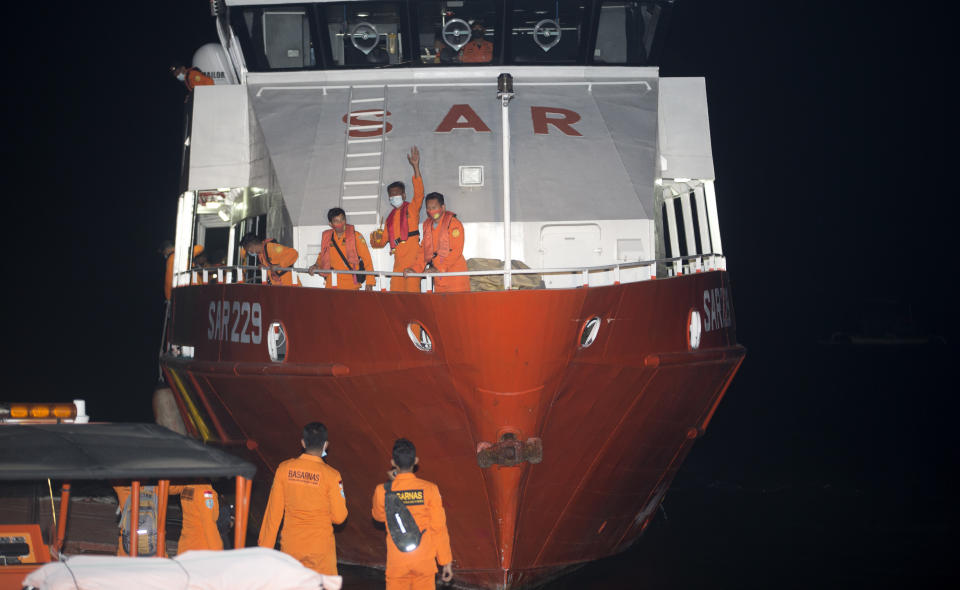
(282, 256)
(307, 495)
(354, 248)
(168, 279)
(443, 249)
(477, 52)
(416, 569)
(200, 507)
(406, 253)
(197, 78)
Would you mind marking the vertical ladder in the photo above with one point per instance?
(362, 175)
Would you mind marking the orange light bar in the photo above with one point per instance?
(21, 411)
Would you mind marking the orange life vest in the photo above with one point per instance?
(197, 78)
(349, 246)
(439, 247)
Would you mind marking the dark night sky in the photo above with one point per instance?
(832, 127)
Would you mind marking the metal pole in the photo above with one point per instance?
(505, 93)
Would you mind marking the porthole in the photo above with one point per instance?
(694, 329)
(588, 333)
(420, 336)
(277, 342)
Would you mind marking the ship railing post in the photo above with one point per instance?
(704, 227)
(504, 94)
(674, 239)
(263, 275)
(293, 278)
(193, 277)
(586, 277)
(716, 247)
(333, 278)
(693, 264)
(206, 276)
(616, 275)
(219, 275)
(429, 284)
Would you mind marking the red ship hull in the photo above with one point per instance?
(616, 419)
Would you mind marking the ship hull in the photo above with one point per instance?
(615, 418)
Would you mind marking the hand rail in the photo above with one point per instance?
(585, 270)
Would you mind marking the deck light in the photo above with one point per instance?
(504, 84)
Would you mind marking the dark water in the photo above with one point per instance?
(835, 474)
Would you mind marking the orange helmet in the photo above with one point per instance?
(378, 238)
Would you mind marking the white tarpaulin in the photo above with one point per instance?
(242, 569)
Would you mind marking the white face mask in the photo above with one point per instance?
(396, 200)
(181, 77)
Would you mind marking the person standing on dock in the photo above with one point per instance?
(403, 224)
(414, 569)
(273, 257)
(342, 248)
(200, 508)
(307, 495)
(442, 247)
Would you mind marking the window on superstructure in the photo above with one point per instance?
(276, 37)
(365, 34)
(625, 32)
(455, 32)
(548, 31)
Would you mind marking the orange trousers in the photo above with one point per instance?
(426, 582)
(407, 255)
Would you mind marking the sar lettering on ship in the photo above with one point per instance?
(235, 321)
(716, 309)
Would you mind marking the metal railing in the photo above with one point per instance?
(240, 273)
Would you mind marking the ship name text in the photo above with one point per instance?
(716, 309)
(235, 321)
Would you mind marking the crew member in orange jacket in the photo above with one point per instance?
(307, 495)
(415, 570)
(402, 227)
(272, 256)
(200, 506)
(191, 77)
(442, 247)
(343, 248)
(478, 50)
(166, 250)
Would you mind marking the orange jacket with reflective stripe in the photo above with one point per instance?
(426, 506)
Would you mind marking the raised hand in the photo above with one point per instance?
(414, 157)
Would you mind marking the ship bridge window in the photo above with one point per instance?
(548, 31)
(365, 34)
(625, 32)
(276, 37)
(454, 32)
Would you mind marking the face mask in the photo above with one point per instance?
(181, 77)
(396, 200)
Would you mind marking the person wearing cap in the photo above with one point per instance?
(414, 569)
(272, 256)
(307, 496)
(342, 248)
(191, 77)
(402, 224)
(478, 50)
